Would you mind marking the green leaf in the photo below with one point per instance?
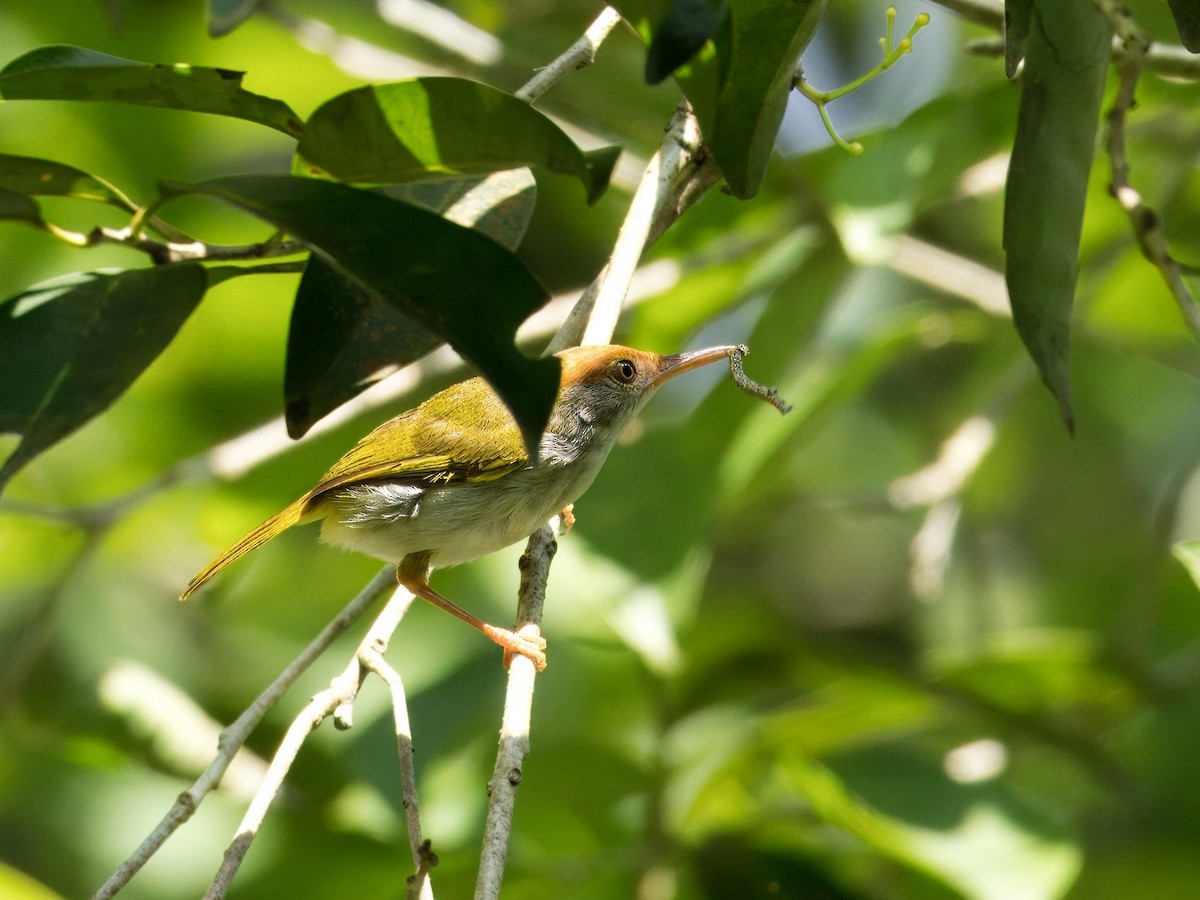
(1188, 553)
(71, 346)
(45, 178)
(16, 207)
(344, 337)
(62, 72)
(456, 283)
(1027, 671)
(226, 15)
(499, 204)
(1016, 30)
(410, 130)
(1187, 20)
(740, 90)
(1066, 59)
(687, 26)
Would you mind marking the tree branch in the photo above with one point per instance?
(515, 727)
(233, 737)
(579, 55)
(1163, 59)
(335, 699)
(1147, 226)
(656, 204)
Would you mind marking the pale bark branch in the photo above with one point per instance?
(578, 56)
(233, 737)
(656, 204)
(335, 699)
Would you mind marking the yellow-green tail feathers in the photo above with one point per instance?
(275, 525)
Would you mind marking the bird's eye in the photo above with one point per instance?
(624, 371)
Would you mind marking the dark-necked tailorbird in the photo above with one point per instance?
(451, 480)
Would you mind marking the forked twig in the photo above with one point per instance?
(335, 699)
(233, 737)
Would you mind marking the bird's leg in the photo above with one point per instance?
(413, 574)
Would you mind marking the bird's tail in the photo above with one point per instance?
(278, 523)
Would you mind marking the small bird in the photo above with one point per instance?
(451, 480)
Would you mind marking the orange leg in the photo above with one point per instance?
(413, 574)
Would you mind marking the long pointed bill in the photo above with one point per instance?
(693, 359)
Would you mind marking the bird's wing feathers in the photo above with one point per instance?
(443, 440)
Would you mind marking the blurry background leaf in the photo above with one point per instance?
(19, 207)
(1016, 30)
(226, 15)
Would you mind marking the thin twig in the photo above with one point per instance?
(373, 661)
(1162, 59)
(579, 55)
(341, 692)
(514, 730)
(371, 657)
(233, 737)
(593, 320)
(1146, 223)
(176, 251)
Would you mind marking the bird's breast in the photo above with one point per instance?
(454, 522)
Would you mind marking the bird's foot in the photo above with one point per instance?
(566, 518)
(527, 642)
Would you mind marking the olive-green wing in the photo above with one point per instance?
(463, 433)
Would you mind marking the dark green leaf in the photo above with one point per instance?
(45, 178)
(740, 91)
(410, 130)
(686, 28)
(62, 72)
(71, 346)
(1066, 58)
(344, 337)
(456, 283)
(1016, 30)
(499, 205)
(15, 207)
(1187, 20)
(226, 15)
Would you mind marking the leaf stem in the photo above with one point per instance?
(893, 51)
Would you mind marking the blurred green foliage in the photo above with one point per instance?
(910, 641)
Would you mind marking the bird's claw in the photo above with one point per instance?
(527, 642)
(566, 518)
